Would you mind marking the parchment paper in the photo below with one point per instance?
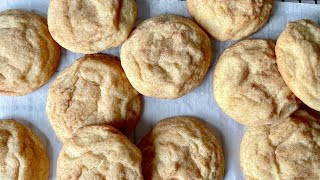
(30, 109)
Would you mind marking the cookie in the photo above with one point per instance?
(298, 59)
(93, 90)
(287, 151)
(230, 20)
(166, 56)
(99, 152)
(181, 148)
(22, 155)
(248, 86)
(28, 54)
(91, 26)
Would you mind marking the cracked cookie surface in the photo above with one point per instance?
(248, 86)
(93, 90)
(90, 26)
(28, 54)
(181, 148)
(22, 154)
(298, 59)
(166, 56)
(289, 150)
(230, 20)
(99, 152)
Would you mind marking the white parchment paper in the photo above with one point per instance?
(30, 109)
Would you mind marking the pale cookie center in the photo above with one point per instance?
(253, 83)
(237, 15)
(95, 98)
(237, 8)
(186, 154)
(92, 20)
(170, 55)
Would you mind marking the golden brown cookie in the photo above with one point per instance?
(166, 56)
(248, 86)
(22, 155)
(99, 152)
(290, 150)
(181, 148)
(230, 20)
(90, 26)
(28, 54)
(298, 59)
(93, 90)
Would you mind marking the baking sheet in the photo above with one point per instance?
(30, 110)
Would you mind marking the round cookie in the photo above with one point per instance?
(28, 54)
(230, 20)
(181, 148)
(93, 90)
(289, 150)
(99, 152)
(91, 26)
(22, 155)
(248, 86)
(166, 56)
(298, 59)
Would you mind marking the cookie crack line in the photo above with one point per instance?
(278, 167)
(72, 97)
(72, 94)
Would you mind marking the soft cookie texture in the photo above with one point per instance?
(90, 26)
(22, 155)
(290, 150)
(248, 86)
(28, 54)
(230, 20)
(181, 148)
(99, 152)
(166, 56)
(298, 59)
(93, 90)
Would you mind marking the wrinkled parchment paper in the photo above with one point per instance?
(30, 109)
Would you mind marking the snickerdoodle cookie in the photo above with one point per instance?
(230, 20)
(90, 26)
(99, 152)
(22, 155)
(290, 150)
(93, 90)
(181, 148)
(28, 54)
(166, 56)
(248, 86)
(298, 59)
